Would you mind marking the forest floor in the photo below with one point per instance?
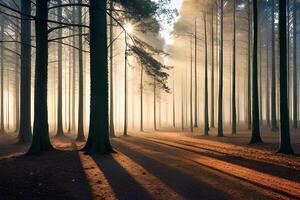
(160, 165)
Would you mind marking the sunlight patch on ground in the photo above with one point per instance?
(99, 185)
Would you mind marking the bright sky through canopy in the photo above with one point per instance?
(167, 29)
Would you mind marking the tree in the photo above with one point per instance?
(295, 80)
(285, 144)
(142, 98)
(212, 121)
(2, 129)
(255, 133)
(41, 141)
(249, 67)
(220, 97)
(234, 72)
(60, 131)
(111, 57)
(25, 134)
(273, 85)
(196, 74)
(206, 124)
(98, 138)
(80, 131)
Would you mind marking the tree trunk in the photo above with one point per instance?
(80, 131)
(249, 67)
(273, 90)
(220, 97)
(212, 118)
(268, 89)
(25, 134)
(111, 60)
(154, 105)
(60, 131)
(285, 144)
(41, 141)
(2, 128)
(255, 134)
(125, 89)
(206, 124)
(98, 139)
(142, 98)
(295, 81)
(196, 78)
(234, 73)
(173, 102)
(191, 90)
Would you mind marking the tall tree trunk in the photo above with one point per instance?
(17, 84)
(220, 96)
(206, 124)
(80, 131)
(273, 85)
(268, 89)
(125, 89)
(255, 135)
(234, 72)
(173, 102)
(212, 118)
(98, 139)
(142, 98)
(191, 90)
(249, 67)
(295, 71)
(154, 105)
(60, 131)
(74, 75)
(111, 60)
(41, 141)
(25, 134)
(196, 78)
(260, 81)
(285, 144)
(2, 128)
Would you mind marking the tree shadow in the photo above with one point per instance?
(124, 186)
(55, 175)
(185, 185)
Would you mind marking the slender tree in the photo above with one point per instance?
(126, 88)
(212, 118)
(206, 124)
(2, 128)
(295, 71)
(234, 72)
(255, 133)
(25, 134)
(249, 67)
(41, 141)
(285, 144)
(142, 98)
(111, 60)
(220, 97)
(196, 78)
(273, 85)
(60, 131)
(80, 131)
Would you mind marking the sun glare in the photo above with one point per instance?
(128, 28)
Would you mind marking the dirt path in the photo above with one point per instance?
(151, 166)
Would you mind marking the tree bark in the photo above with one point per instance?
(80, 131)
(234, 73)
(285, 144)
(111, 60)
(41, 141)
(25, 134)
(255, 134)
(273, 90)
(98, 139)
(206, 124)
(60, 131)
(295, 71)
(220, 96)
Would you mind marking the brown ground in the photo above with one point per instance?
(165, 165)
